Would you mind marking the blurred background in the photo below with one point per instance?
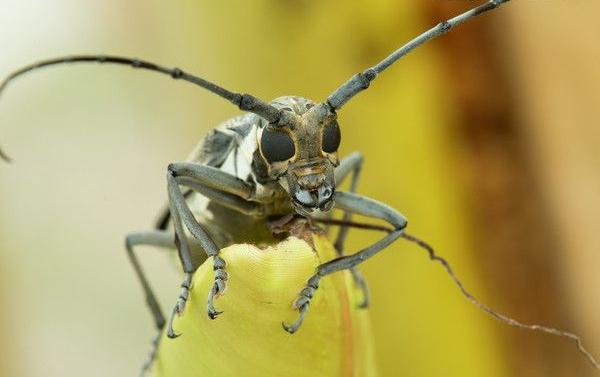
(487, 139)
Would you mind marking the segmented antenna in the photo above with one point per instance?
(499, 316)
(245, 102)
(361, 81)
(4, 156)
(468, 295)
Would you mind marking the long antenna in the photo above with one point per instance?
(436, 258)
(496, 315)
(245, 102)
(361, 81)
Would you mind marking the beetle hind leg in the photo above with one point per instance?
(302, 303)
(361, 283)
(151, 355)
(362, 206)
(220, 187)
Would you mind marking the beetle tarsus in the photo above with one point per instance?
(296, 325)
(212, 312)
(180, 305)
(219, 286)
(170, 332)
(4, 157)
(361, 283)
(302, 303)
(151, 356)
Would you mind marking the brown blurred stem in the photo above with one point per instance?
(518, 241)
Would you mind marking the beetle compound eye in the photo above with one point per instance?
(331, 138)
(276, 145)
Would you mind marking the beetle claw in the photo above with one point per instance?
(218, 287)
(179, 306)
(296, 325)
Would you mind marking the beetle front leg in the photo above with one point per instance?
(302, 302)
(180, 211)
(220, 187)
(360, 205)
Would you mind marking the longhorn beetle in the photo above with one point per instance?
(278, 159)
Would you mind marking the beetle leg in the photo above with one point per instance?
(222, 187)
(152, 355)
(371, 208)
(160, 239)
(208, 176)
(360, 205)
(224, 198)
(351, 164)
(219, 285)
(302, 303)
(181, 212)
(361, 284)
(216, 185)
(180, 305)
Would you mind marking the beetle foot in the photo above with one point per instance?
(180, 305)
(302, 303)
(151, 356)
(361, 283)
(219, 285)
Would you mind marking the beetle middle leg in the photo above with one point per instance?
(351, 165)
(360, 205)
(152, 238)
(161, 239)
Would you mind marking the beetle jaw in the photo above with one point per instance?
(310, 186)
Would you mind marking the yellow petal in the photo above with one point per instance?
(248, 339)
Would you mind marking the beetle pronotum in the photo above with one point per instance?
(278, 159)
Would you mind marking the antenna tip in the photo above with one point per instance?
(4, 156)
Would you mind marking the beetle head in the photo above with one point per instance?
(301, 152)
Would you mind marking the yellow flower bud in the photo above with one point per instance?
(248, 339)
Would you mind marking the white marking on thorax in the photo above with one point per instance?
(238, 163)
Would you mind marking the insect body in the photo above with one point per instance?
(249, 170)
(278, 159)
(283, 172)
